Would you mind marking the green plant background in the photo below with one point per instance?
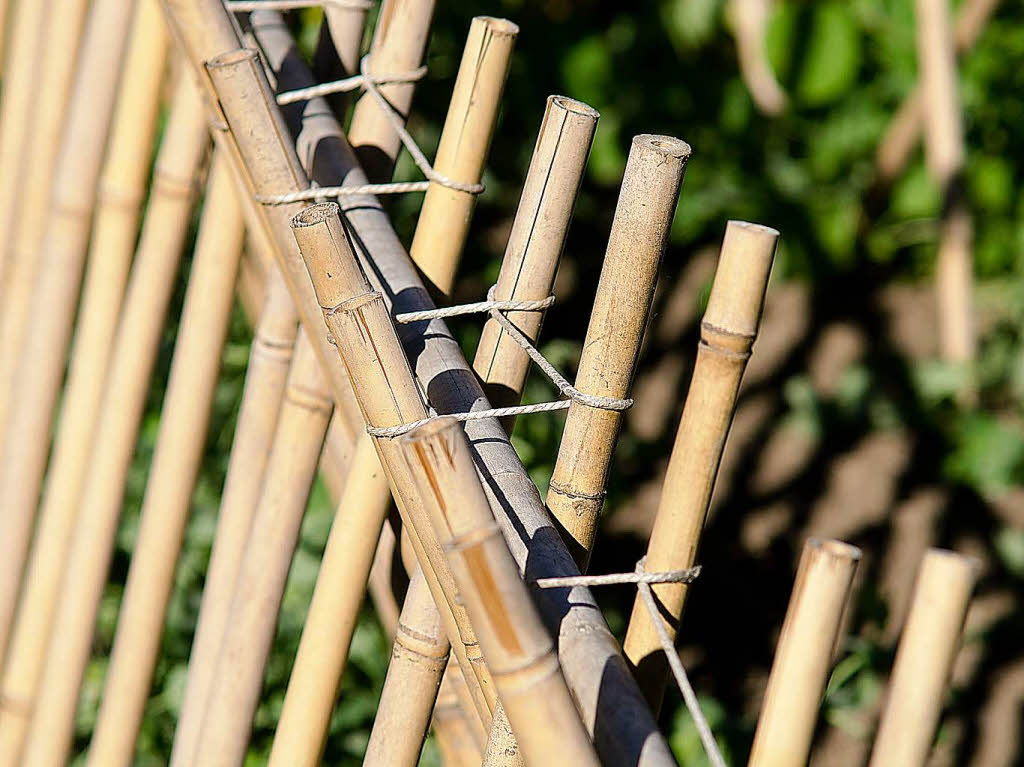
(855, 262)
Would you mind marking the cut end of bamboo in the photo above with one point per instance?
(668, 146)
(574, 106)
(497, 27)
(834, 549)
(315, 214)
(952, 564)
(741, 279)
(232, 58)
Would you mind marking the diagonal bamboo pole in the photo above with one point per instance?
(517, 647)
(135, 350)
(417, 657)
(183, 425)
(121, 189)
(925, 656)
(459, 739)
(44, 348)
(622, 306)
(56, 77)
(590, 658)
(803, 658)
(728, 331)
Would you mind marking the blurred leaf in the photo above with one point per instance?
(833, 54)
(987, 454)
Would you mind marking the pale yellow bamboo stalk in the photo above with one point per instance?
(418, 659)
(750, 23)
(59, 47)
(803, 657)
(135, 350)
(643, 218)
(121, 189)
(399, 41)
(460, 736)
(728, 331)
(379, 585)
(241, 659)
(179, 446)
(944, 156)
(4, 8)
(40, 366)
(466, 137)
(535, 244)
(339, 49)
(252, 285)
(925, 656)
(518, 650)
(23, 61)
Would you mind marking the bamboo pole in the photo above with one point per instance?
(121, 189)
(597, 673)
(749, 20)
(925, 656)
(135, 349)
(179, 447)
(44, 348)
(42, 142)
(241, 660)
(803, 658)
(517, 647)
(25, 56)
(459, 735)
(339, 49)
(418, 657)
(379, 584)
(944, 155)
(399, 42)
(622, 306)
(535, 244)
(728, 331)
(465, 139)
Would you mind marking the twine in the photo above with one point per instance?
(369, 82)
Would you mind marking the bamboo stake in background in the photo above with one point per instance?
(44, 348)
(135, 351)
(926, 652)
(121, 189)
(728, 331)
(466, 136)
(460, 743)
(518, 650)
(176, 458)
(622, 306)
(803, 657)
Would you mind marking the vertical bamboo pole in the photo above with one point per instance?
(59, 47)
(417, 658)
(944, 154)
(517, 647)
(121, 189)
(459, 736)
(643, 218)
(179, 447)
(43, 353)
(728, 331)
(399, 42)
(535, 244)
(135, 349)
(25, 56)
(339, 49)
(238, 674)
(803, 658)
(468, 128)
(379, 586)
(926, 652)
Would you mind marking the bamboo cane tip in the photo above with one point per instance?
(231, 58)
(953, 564)
(498, 26)
(315, 214)
(430, 429)
(669, 146)
(834, 549)
(574, 106)
(741, 278)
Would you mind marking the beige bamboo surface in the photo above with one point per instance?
(135, 349)
(944, 156)
(5, 6)
(535, 244)
(518, 650)
(380, 586)
(399, 42)
(179, 448)
(252, 285)
(418, 658)
(803, 656)
(121, 188)
(728, 331)
(25, 55)
(44, 348)
(465, 139)
(589, 654)
(42, 143)
(928, 646)
(622, 306)
(460, 738)
(241, 660)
